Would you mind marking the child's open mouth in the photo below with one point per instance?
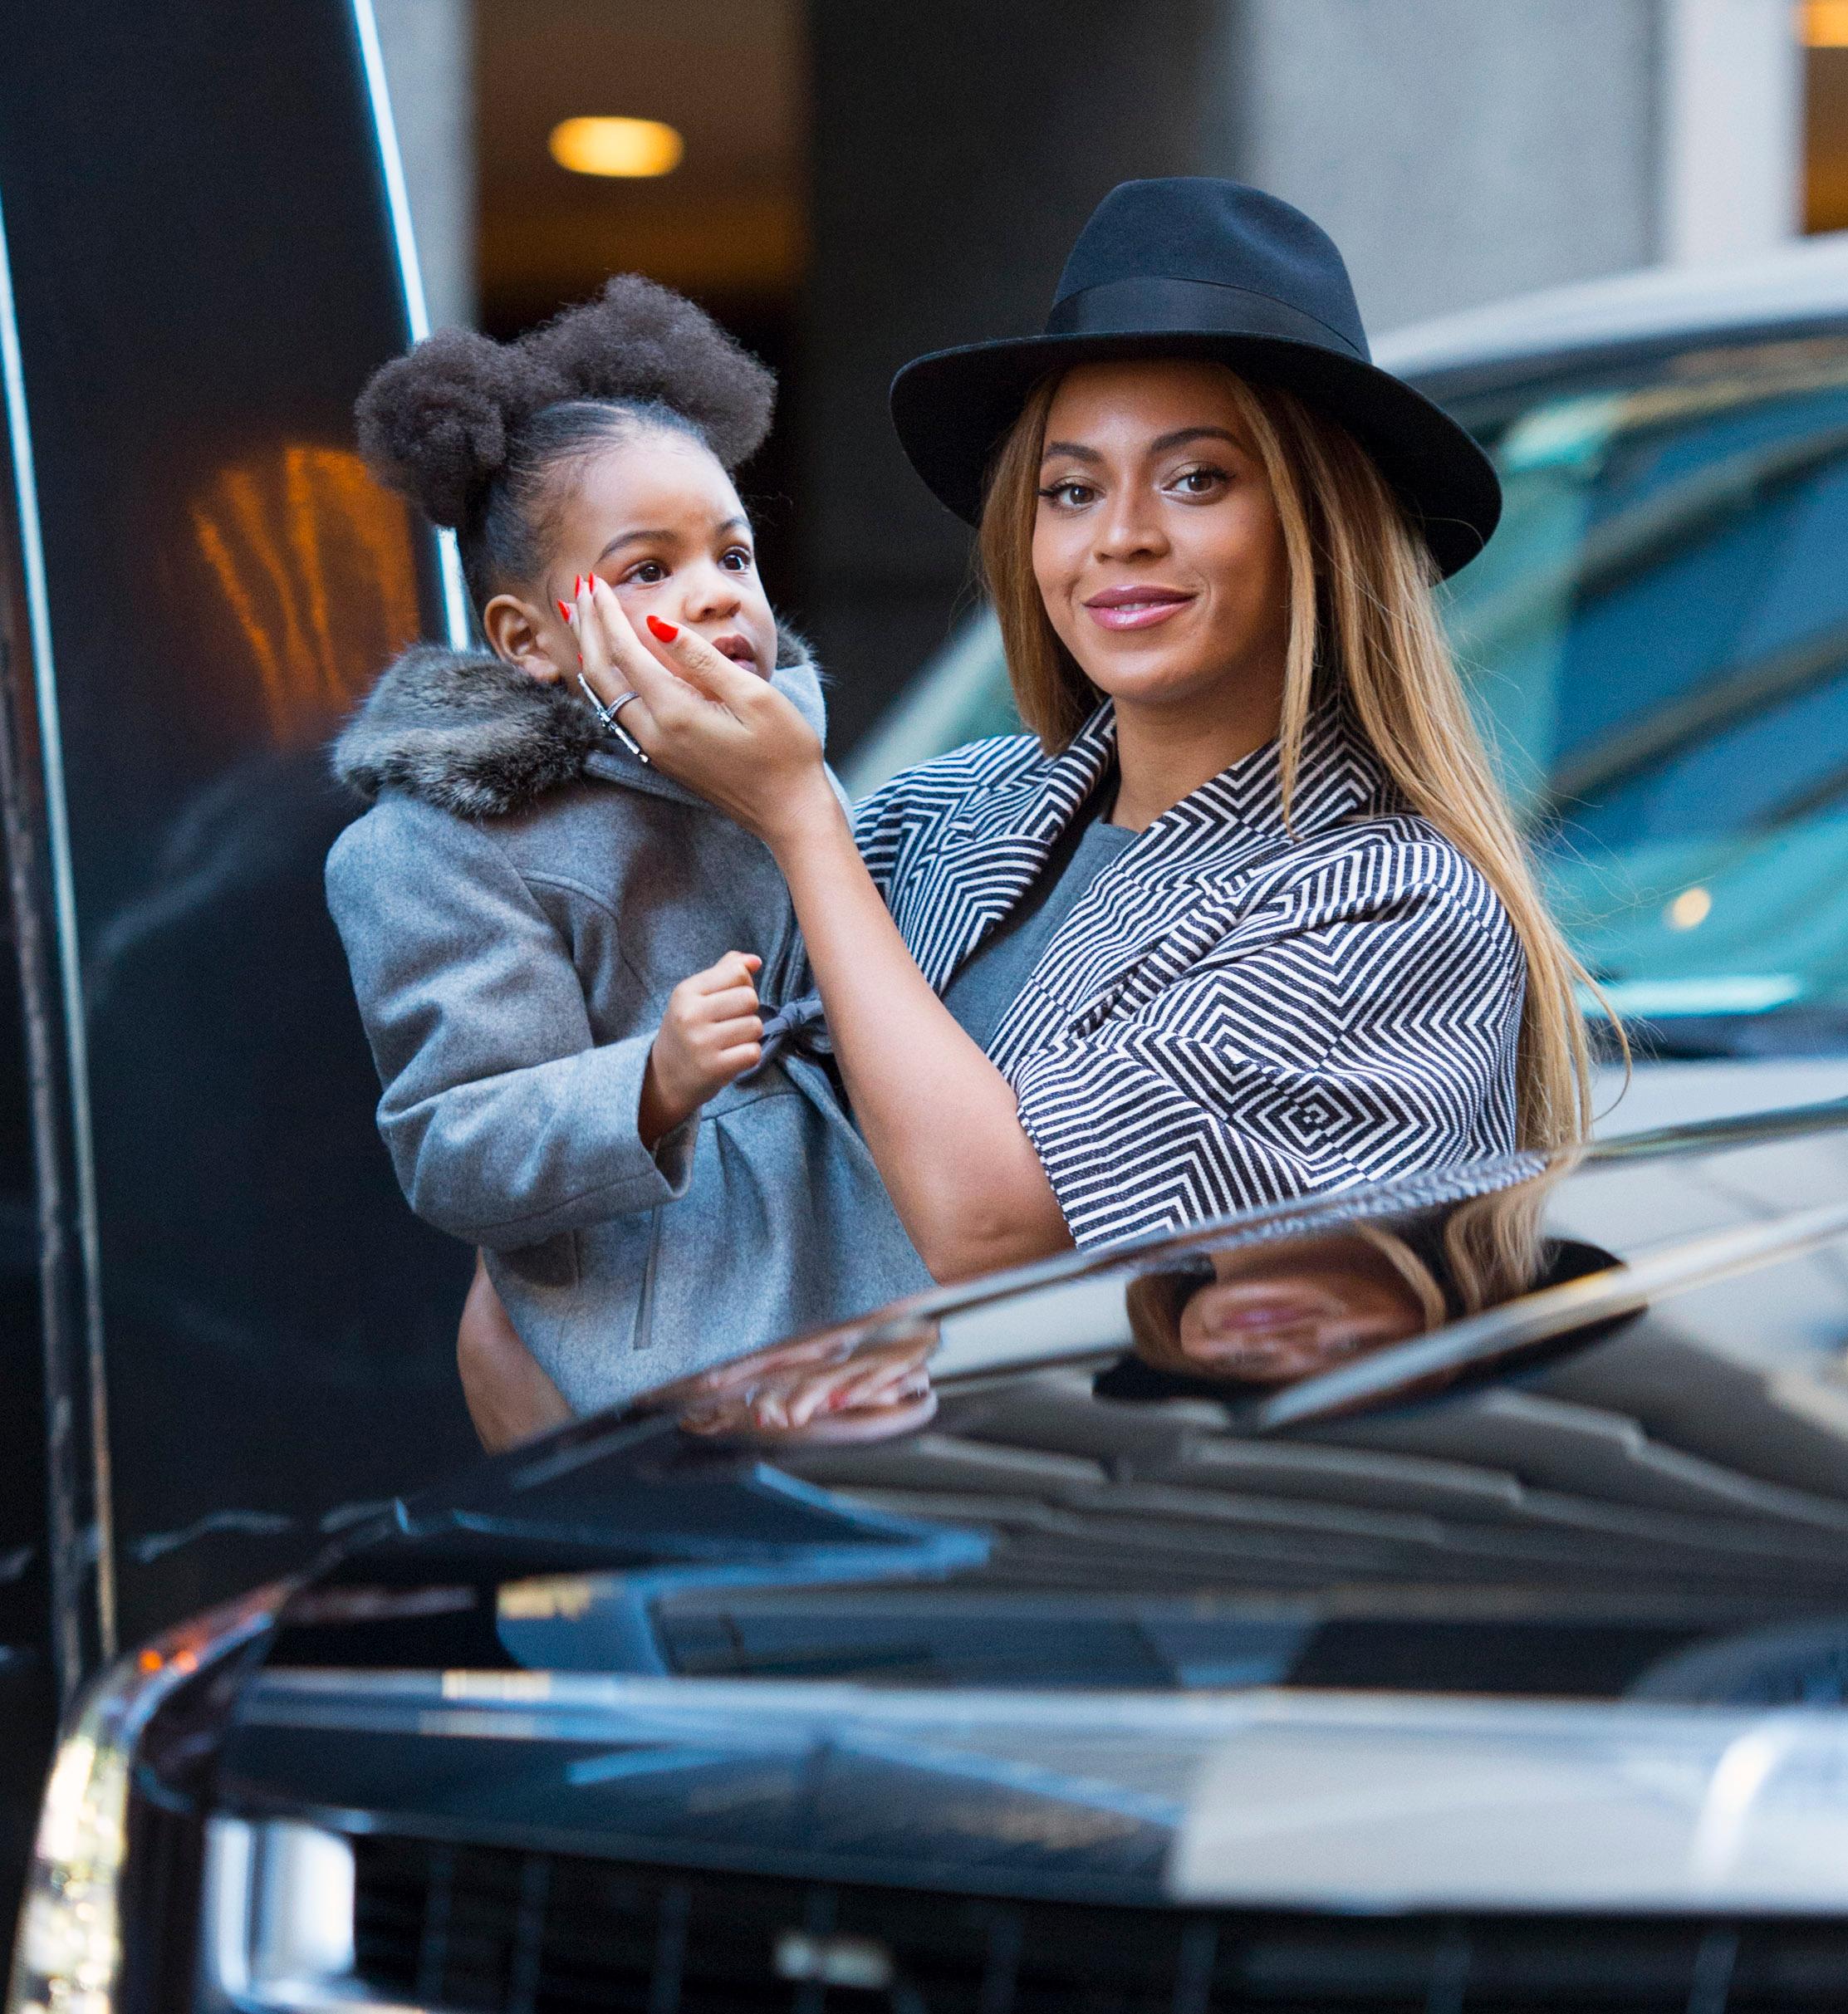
(736, 648)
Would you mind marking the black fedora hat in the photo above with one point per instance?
(1190, 265)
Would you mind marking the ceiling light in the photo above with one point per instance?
(1689, 909)
(1825, 23)
(616, 146)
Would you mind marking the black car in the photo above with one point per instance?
(1433, 1596)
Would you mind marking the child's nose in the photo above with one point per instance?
(710, 593)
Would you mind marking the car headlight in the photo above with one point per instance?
(67, 1956)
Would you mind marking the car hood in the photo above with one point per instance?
(1140, 1571)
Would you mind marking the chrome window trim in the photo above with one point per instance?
(64, 900)
(417, 314)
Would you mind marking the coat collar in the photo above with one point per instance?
(1337, 775)
(998, 839)
(472, 735)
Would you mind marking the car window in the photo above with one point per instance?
(1657, 641)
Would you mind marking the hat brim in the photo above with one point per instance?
(953, 407)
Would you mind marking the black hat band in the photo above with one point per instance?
(1189, 308)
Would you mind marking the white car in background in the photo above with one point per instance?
(1657, 643)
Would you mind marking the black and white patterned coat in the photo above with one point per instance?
(1234, 1013)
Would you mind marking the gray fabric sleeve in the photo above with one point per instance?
(505, 1121)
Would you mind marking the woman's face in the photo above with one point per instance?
(1156, 544)
(1275, 1314)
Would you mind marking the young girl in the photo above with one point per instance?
(564, 960)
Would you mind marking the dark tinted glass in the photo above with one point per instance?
(203, 264)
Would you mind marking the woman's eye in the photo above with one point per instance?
(1069, 495)
(1199, 482)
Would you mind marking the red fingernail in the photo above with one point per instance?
(667, 631)
(565, 610)
(577, 584)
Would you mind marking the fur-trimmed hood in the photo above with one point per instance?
(472, 735)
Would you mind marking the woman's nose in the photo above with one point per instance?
(1129, 526)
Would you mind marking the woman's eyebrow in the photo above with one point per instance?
(1182, 435)
(1178, 438)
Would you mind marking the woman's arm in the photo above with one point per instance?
(940, 1119)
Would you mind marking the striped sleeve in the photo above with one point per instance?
(1354, 1027)
(891, 822)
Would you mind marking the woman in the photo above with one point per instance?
(1245, 917)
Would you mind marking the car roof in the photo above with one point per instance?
(1804, 281)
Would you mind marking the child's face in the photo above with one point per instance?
(658, 518)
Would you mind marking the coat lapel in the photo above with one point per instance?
(971, 870)
(1159, 908)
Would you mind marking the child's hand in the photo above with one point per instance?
(712, 1032)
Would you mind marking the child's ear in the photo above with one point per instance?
(517, 635)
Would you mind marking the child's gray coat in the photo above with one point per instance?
(517, 906)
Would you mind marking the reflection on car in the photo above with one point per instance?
(1438, 1589)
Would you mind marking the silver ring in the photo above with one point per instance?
(606, 717)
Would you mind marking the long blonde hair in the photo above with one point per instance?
(1363, 620)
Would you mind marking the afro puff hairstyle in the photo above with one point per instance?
(471, 430)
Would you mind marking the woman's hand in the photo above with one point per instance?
(712, 1032)
(721, 730)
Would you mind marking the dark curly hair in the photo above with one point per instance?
(475, 432)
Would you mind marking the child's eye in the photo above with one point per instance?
(1069, 495)
(1203, 481)
(646, 573)
(738, 558)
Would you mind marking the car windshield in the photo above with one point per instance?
(1657, 641)
(1656, 644)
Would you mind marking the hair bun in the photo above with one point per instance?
(438, 423)
(640, 340)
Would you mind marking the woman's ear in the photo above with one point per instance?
(517, 635)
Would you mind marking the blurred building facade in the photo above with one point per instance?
(861, 183)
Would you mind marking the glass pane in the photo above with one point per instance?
(1657, 640)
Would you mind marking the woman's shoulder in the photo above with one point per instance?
(1390, 856)
(949, 782)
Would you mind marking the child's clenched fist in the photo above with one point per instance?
(712, 1031)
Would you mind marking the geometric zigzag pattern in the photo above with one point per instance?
(1233, 1014)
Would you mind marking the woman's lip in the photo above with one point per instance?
(1145, 590)
(1134, 609)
